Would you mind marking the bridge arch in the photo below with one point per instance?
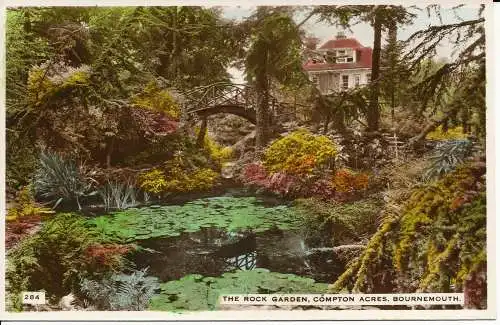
(234, 109)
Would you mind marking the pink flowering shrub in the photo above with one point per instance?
(292, 186)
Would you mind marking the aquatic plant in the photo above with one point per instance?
(230, 213)
(195, 292)
(299, 153)
(120, 291)
(437, 243)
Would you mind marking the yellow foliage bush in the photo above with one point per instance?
(41, 86)
(177, 180)
(438, 134)
(156, 99)
(217, 152)
(152, 181)
(299, 153)
(26, 206)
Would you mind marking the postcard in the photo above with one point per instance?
(248, 161)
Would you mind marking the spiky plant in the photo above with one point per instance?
(57, 180)
(116, 195)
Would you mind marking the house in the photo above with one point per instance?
(339, 64)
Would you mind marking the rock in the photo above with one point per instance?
(227, 170)
(67, 302)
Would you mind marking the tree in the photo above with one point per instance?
(274, 56)
(380, 17)
(468, 39)
(74, 75)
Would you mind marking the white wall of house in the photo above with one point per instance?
(334, 79)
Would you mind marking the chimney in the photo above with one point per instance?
(340, 35)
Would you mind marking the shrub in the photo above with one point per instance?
(54, 258)
(120, 291)
(285, 185)
(299, 153)
(60, 180)
(254, 174)
(176, 177)
(344, 223)
(435, 245)
(106, 257)
(217, 152)
(438, 134)
(155, 99)
(347, 181)
(25, 206)
(447, 156)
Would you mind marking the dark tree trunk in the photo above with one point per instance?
(262, 111)
(202, 133)
(373, 114)
(109, 151)
(392, 40)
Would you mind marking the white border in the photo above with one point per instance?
(490, 313)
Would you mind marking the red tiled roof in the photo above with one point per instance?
(363, 55)
(341, 43)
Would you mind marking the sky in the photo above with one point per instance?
(363, 32)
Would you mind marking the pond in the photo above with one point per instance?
(211, 236)
(212, 252)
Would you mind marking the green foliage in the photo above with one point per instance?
(448, 155)
(60, 180)
(232, 214)
(300, 152)
(438, 240)
(53, 259)
(195, 292)
(120, 291)
(343, 223)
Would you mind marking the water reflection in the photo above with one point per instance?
(246, 261)
(211, 252)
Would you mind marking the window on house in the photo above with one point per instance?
(345, 82)
(368, 77)
(350, 59)
(315, 79)
(357, 78)
(340, 52)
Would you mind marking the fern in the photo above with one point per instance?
(121, 291)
